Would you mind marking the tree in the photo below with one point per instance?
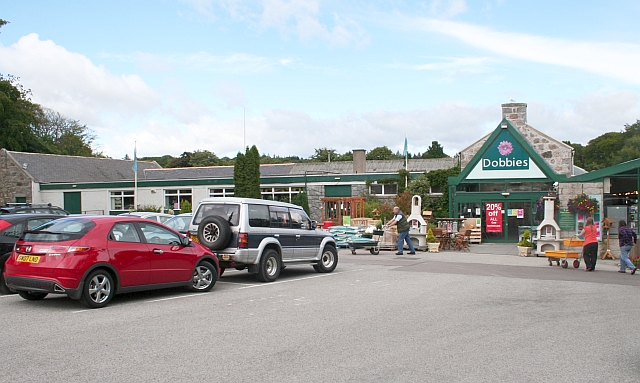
(246, 174)
(3, 23)
(17, 116)
(324, 155)
(599, 152)
(203, 158)
(181, 162)
(578, 153)
(381, 153)
(302, 200)
(434, 151)
(61, 135)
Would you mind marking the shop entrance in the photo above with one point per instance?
(511, 217)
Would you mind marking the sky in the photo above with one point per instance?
(291, 76)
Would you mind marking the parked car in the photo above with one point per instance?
(158, 217)
(261, 236)
(12, 226)
(92, 258)
(33, 209)
(180, 222)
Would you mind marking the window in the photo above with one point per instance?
(174, 197)
(14, 231)
(159, 235)
(299, 219)
(33, 223)
(230, 212)
(383, 189)
(258, 216)
(283, 194)
(124, 232)
(221, 192)
(122, 200)
(492, 187)
(279, 216)
(435, 189)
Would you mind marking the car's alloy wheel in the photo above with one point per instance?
(98, 289)
(204, 277)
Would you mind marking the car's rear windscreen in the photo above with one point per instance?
(63, 229)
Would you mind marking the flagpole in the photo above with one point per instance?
(135, 176)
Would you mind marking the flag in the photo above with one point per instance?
(135, 161)
(406, 148)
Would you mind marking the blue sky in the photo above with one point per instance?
(175, 75)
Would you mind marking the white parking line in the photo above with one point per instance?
(237, 283)
(178, 297)
(89, 310)
(9, 295)
(298, 279)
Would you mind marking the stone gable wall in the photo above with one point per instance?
(14, 181)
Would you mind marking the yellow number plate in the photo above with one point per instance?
(28, 258)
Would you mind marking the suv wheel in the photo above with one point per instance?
(328, 261)
(214, 232)
(269, 266)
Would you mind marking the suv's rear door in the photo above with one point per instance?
(282, 231)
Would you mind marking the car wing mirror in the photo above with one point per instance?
(185, 241)
(314, 225)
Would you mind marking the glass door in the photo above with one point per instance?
(519, 218)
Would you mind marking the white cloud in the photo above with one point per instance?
(448, 8)
(615, 60)
(71, 84)
(450, 65)
(302, 18)
(232, 95)
(587, 117)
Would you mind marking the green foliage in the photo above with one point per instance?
(203, 158)
(246, 174)
(420, 186)
(403, 177)
(526, 239)
(323, 155)
(149, 208)
(185, 206)
(17, 115)
(434, 151)
(382, 153)
(440, 179)
(301, 199)
(3, 23)
(61, 135)
(430, 237)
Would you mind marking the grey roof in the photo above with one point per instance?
(374, 166)
(213, 172)
(52, 168)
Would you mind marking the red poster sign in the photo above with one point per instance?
(493, 217)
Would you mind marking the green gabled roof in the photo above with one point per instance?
(626, 168)
(490, 142)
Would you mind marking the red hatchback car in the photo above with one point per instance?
(93, 258)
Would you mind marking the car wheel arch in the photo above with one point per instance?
(106, 266)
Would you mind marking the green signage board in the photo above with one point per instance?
(566, 220)
(505, 154)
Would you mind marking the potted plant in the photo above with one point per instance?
(432, 242)
(582, 204)
(525, 246)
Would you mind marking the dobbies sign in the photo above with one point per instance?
(506, 155)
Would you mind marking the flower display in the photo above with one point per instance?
(582, 204)
(505, 148)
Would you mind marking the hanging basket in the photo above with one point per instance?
(582, 204)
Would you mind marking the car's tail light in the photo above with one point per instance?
(243, 241)
(52, 250)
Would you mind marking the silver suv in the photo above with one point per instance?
(261, 236)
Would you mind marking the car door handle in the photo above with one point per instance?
(158, 251)
(297, 236)
(277, 235)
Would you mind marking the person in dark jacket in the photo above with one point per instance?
(403, 225)
(626, 238)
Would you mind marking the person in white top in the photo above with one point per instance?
(403, 225)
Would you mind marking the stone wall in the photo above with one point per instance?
(315, 194)
(14, 180)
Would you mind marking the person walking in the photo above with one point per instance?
(626, 238)
(590, 245)
(403, 225)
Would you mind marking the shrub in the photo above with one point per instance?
(430, 237)
(526, 239)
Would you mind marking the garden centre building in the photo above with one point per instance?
(507, 170)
